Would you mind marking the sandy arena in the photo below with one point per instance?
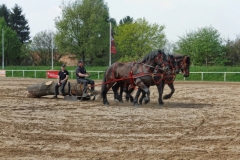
(200, 121)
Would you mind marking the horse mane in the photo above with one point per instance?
(152, 55)
(177, 55)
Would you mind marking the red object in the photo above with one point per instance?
(52, 73)
(113, 47)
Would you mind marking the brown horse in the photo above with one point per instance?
(156, 79)
(126, 74)
(182, 64)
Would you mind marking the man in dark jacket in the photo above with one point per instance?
(81, 75)
(62, 80)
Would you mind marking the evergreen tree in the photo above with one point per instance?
(4, 12)
(19, 24)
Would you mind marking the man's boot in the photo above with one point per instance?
(84, 92)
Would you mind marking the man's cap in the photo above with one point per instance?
(80, 61)
(63, 65)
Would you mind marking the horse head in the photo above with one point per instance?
(155, 58)
(173, 64)
(183, 63)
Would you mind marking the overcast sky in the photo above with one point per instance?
(179, 16)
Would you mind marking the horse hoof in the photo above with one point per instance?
(166, 97)
(121, 101)
(116, 101)
(94, 98)
(106, 104)
(161, 103)
(146, 101)
(135, 105)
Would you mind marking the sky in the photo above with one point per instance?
(178, 16)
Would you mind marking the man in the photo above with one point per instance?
(81, 75)
(62, 80)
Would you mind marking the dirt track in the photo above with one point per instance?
(201, 121)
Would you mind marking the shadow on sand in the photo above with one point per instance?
(166, 105)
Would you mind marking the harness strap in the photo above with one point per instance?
(157, 82)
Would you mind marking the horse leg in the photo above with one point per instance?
(128, 94)
(105, 88)
(145, 89)
(115, 89)
(168, 96)
(135, 101)
(120, 94)
(160, 87)
(142, 97)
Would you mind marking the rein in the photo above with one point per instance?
(184, 65)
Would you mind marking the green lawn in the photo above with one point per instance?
(71, 69)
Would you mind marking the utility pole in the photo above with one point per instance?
(52, 49)
(2, 48)
(110, 40)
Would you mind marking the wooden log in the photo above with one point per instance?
(48, 88)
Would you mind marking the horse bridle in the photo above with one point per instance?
(184, 65)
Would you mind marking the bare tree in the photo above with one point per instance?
(42, 45)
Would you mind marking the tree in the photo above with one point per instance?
(134, 40)
(126, 20)
(169, 47)
(83, 29)
(5, 13)
(42, 46)
(27, 58)
(233, 51)
(18, 23)
(12, 45)
(204, 46)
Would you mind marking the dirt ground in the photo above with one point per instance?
(200, 121)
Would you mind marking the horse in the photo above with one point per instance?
(156, 79)
(182, 64)
(149, 80)
(133, 73)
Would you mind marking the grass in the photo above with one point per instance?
(193, 76)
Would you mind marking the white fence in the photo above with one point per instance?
(96, 74)
(224, 74)
(72, 73)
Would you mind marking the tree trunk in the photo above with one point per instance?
(48, 88)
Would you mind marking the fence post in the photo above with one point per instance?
(202, 75)
(23, 73)
(224, 76)
(71, 74)
(98, 74)
(35, 73)
(12, 73)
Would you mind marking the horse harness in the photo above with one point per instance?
(132, 76)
